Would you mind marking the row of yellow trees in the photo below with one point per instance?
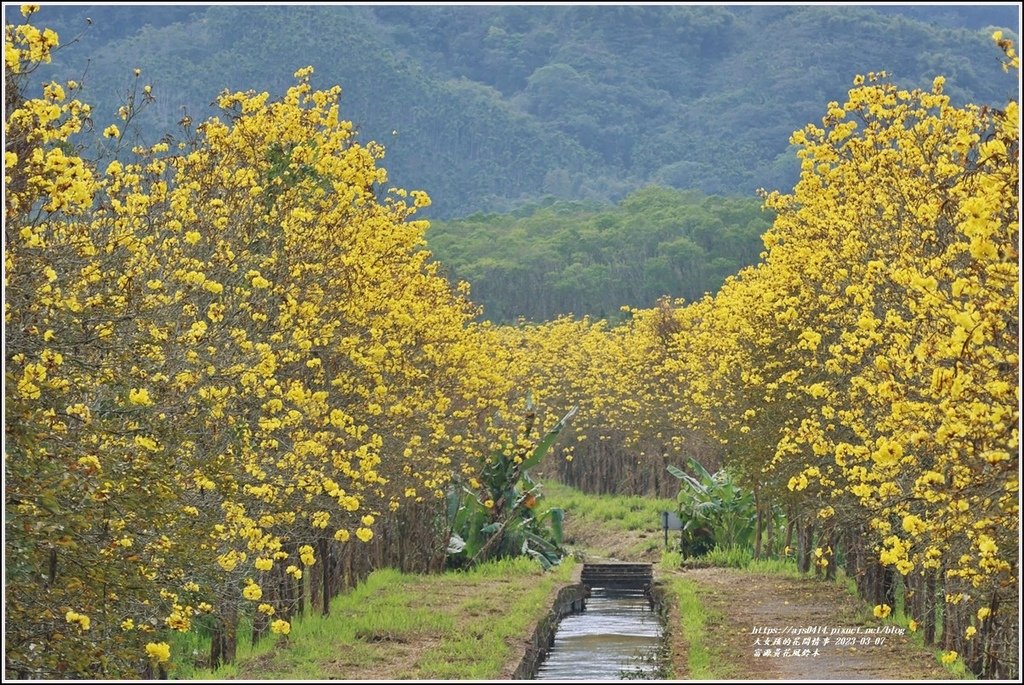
(228, 360)
(230, 364)
(864, 376)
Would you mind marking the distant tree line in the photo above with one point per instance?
(559, 257)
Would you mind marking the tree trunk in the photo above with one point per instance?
(831, 544)
(758, 524)
(259, 627)
(223, 639)
(805, 538)
(947, 622)
(790, 525)
(889, 585)
(300, 595)
(325, 592)
(929, 607)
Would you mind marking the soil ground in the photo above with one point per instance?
(799, 610)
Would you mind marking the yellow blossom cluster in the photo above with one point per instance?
(864, 376)
(220, 355)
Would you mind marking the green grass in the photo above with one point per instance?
(733, 558)
(781, 567)
(492, 606)
(618, 512)
(612, 513)
(730, 557)
(500, 568)
(671, 559)
(704, 661)
(377, 609)
(186, 647)
(480, 647)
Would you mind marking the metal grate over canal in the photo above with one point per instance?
(616, 636)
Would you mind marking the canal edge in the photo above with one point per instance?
(675, 646)
(564, 599)
(674, 649)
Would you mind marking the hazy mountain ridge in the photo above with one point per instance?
(489, 106)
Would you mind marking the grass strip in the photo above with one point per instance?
(456, 625)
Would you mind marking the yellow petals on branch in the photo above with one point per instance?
(312, 365)
(82, 620)
(306, 555)
(90, 462)
(252, 591)
(140, 396)
(987, 546)
(913, 525)
(159, 652)
(220, 284)
(229, 560)
(420, 198)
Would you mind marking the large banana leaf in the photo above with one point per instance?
(714, 502)
(453, 499)
(545, 444)
(676, 471)
(701, 471)
(557, 517)
(685, 477)
(509, 528)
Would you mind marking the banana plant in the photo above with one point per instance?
(714, 506)
(513, 524)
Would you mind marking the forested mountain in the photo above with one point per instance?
(567, 257)
(487, 107)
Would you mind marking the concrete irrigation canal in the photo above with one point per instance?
(612, 632)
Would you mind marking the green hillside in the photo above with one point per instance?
(486, 107)
(569, 257)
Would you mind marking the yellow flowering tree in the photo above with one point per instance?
(864, 376)
(874, 353)
(229, 361)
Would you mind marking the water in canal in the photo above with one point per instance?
(616, 636)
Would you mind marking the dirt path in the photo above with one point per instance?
(753, 614)
(599, 543)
